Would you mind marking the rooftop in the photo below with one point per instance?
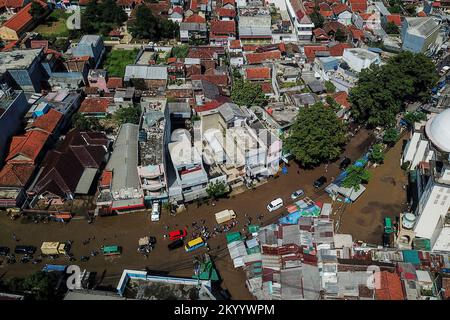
(18, 59)
(151, 150)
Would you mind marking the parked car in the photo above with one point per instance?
(155, 211)
(275, 204)
(177, 234)
(4, 251)
(345, 163)
(297, 194)
(175, 244)
(320, 182)
(25, 249)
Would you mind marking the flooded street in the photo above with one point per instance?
(362, 219)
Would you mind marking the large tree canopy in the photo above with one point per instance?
(245, 93)
(147, 26)
(102, 17)
(316, 136)
(382, 91)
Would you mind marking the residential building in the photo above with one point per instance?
(419, 34)
(427, 154)
(343, 14)
(126, 192)
(193, 28)
(71, 168)
(358, 58)
(22, 69)
(13, 106)
(221, 32)
(92, 46)
(14, 28)
(254, 25)
(146, 77)
(301, 21)
(98, 78)
(95, 107)
(152, 151)
(190, 178)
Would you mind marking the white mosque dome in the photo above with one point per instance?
(438, 130)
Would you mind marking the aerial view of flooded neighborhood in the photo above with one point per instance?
(224, 150)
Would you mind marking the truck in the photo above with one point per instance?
(225, 215)
(53, 248)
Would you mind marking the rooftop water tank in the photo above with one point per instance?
(408, 220)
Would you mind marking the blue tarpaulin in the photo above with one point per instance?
(411, 256)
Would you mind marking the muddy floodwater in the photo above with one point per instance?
(362, 219)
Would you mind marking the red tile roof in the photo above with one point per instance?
(217, 79)
(319, 32)
(195, 18)
(106, 178)
(235, 44)
(36, 44)
(326, 13)
(214, 104)
(266, 87)
(14, 3)
(114, 83)
(339, 8)
(94, 105)
(324, 6)
(356, 33)
(224, 12)
(395, 18)
(338, 49)
(358, 5)
(178, 9)
(49, 121)
(22, 19)
(233, 2)
(257, 73)
(390, 287)
(249, 47)
(421, 14)
(255, 58)
(16, 175)
(310, 51)
(342, 98)
(222, 27)
(28, 146)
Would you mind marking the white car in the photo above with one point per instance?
(155, 211)
(275, 204)
(297, 194)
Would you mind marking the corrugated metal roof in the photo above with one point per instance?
(145, 72)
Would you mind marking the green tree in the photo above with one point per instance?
(127, 115)
(246, 93)
(83, 123)
(340, 35)
(102, 17)
(317, 18)
(392, 28)
(316, 136)
(377, 155)
(382, 91)
(413, 117)
(217, 189)
(36, 10)
(331, 88)
(147, 26)
(38, 286)
(356, 176)
(180, 51)
(390, 136)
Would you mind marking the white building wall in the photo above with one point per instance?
(420, 154)
(442, 243)
(411, 148)
(436, 202)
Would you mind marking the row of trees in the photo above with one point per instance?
(382, 91)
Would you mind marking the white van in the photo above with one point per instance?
(275, 204)
(155, 211)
